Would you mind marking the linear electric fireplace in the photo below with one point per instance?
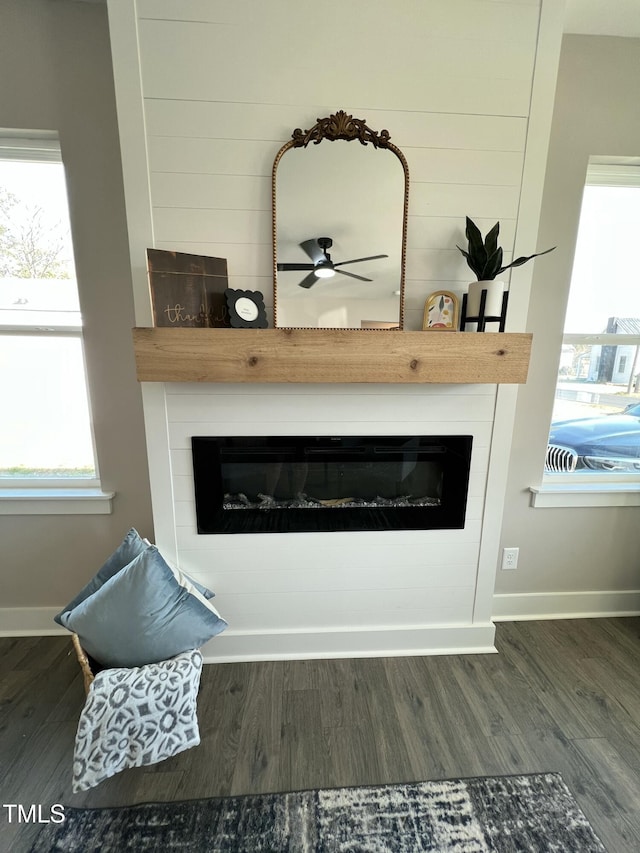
(286, 484)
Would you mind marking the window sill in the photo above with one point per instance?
(585, 494)
(60, 501)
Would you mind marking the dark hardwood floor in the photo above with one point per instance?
(560, 696)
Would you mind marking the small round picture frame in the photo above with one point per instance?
(246, 309)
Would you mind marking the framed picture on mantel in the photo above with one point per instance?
(187, 290)
(441, 312)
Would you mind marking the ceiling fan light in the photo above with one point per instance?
(324, 272)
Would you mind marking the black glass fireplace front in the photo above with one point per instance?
(282, 484)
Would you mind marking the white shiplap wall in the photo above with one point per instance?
(225, 83)
(217, 86)
(280, 585)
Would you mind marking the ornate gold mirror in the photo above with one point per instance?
(339, 227)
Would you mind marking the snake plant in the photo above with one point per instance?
(484, 257)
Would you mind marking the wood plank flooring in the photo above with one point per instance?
(560, 696)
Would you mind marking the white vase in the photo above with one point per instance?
(493, 305)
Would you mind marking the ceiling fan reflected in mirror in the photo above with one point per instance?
(322, 266)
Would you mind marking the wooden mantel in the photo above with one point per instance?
(329, 355)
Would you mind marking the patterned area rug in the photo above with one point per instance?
(509, 814)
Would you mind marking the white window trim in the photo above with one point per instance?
(22, 496)
(585, 494)
(65, 500)
(585, 489)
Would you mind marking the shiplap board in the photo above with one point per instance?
(231, 389)
(185, 156)
(447, 232)
(435, 265)
(215, 192)
(459, 200)
(503, 14)
(222, 226)
(413, 563)
(206, 156)
(448, 60)
(272, 125)
(335, 579)
(442, 165)
(180, 433)
(292, 615)
(308, 608)
(308, 407)
(189, 540)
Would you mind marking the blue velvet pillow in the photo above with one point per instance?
(131, 547)
(147, 612)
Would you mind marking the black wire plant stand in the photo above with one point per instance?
(482, 319)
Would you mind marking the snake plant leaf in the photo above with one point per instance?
(491, 240)
(477, 270)
(523, 260)
(476, 244)
(492, 266)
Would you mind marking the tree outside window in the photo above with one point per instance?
(45, 431)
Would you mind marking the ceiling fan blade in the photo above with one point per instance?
(298, 267)
(357, 260)
(312, 248)
(309, 280)
(353, 275)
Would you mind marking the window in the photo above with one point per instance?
(46, 436)
(595, 430)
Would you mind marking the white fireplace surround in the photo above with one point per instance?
(199, 129)
(327, 594)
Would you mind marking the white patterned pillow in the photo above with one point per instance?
(138, 716)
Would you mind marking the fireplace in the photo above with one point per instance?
(286, 484)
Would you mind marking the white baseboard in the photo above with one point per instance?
(295, 645)
(371, 642)
(29, 622)
(565, 605)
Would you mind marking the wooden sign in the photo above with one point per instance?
(187, 290)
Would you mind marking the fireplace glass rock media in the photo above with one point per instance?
(291, 484)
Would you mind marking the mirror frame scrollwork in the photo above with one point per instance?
(341, 126)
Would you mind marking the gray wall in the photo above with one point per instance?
(55, 64)
(55, 61)
(596, 112)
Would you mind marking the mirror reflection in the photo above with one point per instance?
(339, 231)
